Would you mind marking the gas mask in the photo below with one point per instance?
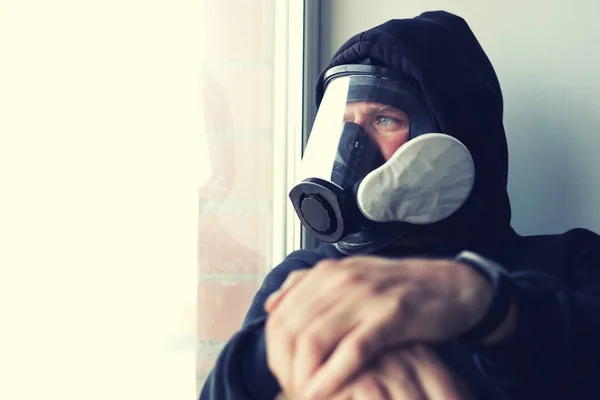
(351, 189)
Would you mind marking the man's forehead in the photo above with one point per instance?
(370, 106)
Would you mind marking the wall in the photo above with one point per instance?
(546, 57)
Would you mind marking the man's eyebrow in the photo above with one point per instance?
(387, 107)
(384, 108)
(376, 108)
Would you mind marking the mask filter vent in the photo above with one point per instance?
(426, 180)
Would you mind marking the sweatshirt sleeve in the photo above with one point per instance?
(241, 371)
(554, 347)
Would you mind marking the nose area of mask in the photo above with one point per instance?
(425, 181)
(356, 156)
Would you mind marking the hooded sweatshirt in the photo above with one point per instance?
(554, 351)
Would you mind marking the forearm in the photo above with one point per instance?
(241, 371)
(551, 335)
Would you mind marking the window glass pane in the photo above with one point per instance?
(236, 214)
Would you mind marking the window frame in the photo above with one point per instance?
(289, 122)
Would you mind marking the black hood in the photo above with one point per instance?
(442, 54)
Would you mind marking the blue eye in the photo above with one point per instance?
(387, 122)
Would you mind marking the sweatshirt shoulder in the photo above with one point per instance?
(582, 236)
(573, 238)
(302, 259)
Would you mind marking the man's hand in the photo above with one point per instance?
(408, 373)
(411, 372)
(325, 324)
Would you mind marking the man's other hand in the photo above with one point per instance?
(411, 372)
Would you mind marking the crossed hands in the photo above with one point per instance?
(350, 329)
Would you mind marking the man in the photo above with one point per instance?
(422, 290)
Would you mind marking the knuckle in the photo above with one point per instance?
(374, 289)
(397, 307)
(272, 364)
(296, 274)
(395, 366)
(326, 264)
(279, 324)
(359, 352)
(420, 349)
(402, 304)
(270, 324)
(370, 386)
(392, 310)
(339, 274)
(274, 321)
(292, 278)
(275, 366)
(311, 341)
(347, 277)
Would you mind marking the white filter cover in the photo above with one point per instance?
(426, 180)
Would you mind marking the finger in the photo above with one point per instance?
(279, 351)
(345, 394)
(410, 389)
(401, 380)
(435, 378)
(302, 281)
(324, 332)
(370, 389)
(275, 298)
(353, 352)
(364, 387)
(319, 339)
(286, 322)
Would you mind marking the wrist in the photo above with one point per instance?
(500, 315)
(505, 330)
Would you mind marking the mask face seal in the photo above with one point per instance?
(347, 192)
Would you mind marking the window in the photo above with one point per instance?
(99, 133)
(252, 107)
